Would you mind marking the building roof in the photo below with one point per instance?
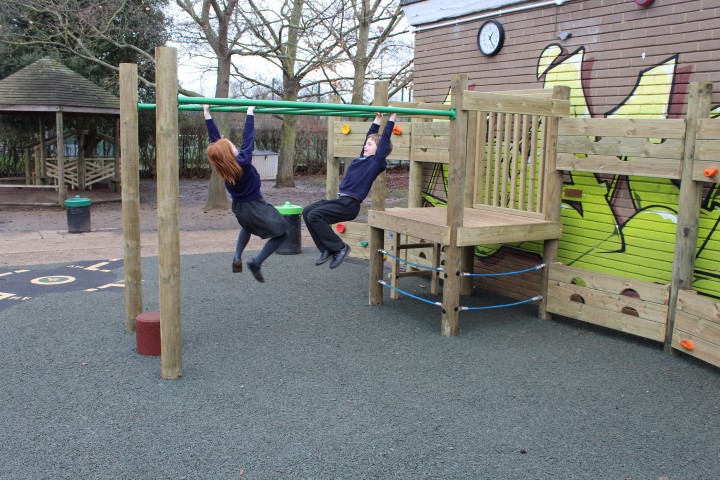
(422, 12)
(49, 86)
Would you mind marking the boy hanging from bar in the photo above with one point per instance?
(355, 186)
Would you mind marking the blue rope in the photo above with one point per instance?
(538, 267)
(539, 297)
(409, 294)
(416, 265)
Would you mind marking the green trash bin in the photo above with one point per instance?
(293, 243)
(78, 214)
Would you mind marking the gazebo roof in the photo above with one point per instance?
(49, 86)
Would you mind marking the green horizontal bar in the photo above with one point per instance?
(275, 111)
(341, 107)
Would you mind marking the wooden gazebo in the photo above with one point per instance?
(45, 87)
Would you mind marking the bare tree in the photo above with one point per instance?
(371, 34)
(308, 42)
(220, 29)
(105, 33)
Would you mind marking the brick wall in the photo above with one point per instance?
(617, 39)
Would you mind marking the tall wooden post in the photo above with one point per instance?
(130, 181)
(553, 198)
(686, 235)
(455, 206)
(168, 183)
(60, 146)
(378, 195)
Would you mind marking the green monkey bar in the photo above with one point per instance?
(301, 108)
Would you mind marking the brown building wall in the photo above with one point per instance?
(620, 40)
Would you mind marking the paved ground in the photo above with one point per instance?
(299, 378)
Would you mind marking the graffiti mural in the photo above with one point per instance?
(623, 225)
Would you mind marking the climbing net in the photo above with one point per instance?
(462, 274)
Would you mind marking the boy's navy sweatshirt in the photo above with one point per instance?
(362, 171)
(247, 188)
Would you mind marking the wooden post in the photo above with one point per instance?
(81, 159)
(379, 189)
(332, 174)
(456, 195)
(116, 155)
(59, 142)
(42, 172)
(37, 176)
(130, 180)
(28, 169)
(686, 235)
(377, 235)
(416, 170)
(168, 211)
(553, 198)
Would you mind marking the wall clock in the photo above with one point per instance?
(491, 37)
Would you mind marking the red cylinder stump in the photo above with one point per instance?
(147, 333)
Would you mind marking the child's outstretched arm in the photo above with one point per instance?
(213, 131)
(383, 147)
(246, 149)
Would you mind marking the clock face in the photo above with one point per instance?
(491, 37)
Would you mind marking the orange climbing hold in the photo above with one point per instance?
(687, 344)
(397, 130)
(710, 172)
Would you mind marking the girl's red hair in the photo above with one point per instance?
(223, 160)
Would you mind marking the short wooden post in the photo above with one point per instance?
(686, 234)
(81, 159)
(168, 211)
(37, 175)
(553, 198)
(60, 146)
(116, 153)
(42, 158)
(455, 206)
(130, 180)
(28, 169)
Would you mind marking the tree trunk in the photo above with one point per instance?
(291, 87)
(217, 194)
(360, 62)
(286, 157)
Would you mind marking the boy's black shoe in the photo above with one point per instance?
(338, 257)
(324, 257)
(255, 270)
(237, 265)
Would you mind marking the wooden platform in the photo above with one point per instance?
(479, 227)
